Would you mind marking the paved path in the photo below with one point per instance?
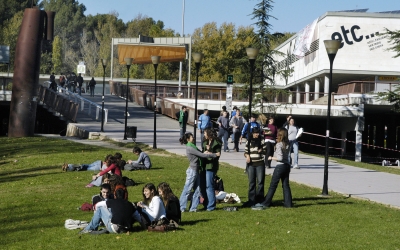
(358, 182)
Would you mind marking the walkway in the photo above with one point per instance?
(358, 182)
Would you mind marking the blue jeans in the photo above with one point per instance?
(207, 189)
(224, 134)
(256, 176)
(95, 166)
(182, 129)
(294, 146)
(281, 172)
(192, 182)
(101, 214)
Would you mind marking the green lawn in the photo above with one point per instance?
(37, 198)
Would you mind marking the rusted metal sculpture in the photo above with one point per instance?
(37, 25)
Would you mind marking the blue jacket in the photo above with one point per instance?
(252, 125)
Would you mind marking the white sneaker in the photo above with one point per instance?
(296, 166)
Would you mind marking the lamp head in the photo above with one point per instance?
(332, 46)
(104, 62)
(155, 59)
(197, 57)
(252, 53)
(128, 61)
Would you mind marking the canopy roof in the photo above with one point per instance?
(141, 53)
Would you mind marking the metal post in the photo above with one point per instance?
(155, 106)
(332, 47)
(103, 62)
(252, 61)
(195, 102)
(126, 106)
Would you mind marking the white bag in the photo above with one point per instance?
(75, 224)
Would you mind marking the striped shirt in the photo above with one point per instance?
(256, 157)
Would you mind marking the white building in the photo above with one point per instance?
(362, 67)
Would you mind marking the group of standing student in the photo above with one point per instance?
(203, 167)
(277, 145)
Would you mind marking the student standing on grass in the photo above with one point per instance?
(209, 168)
(195, 156)
(254, 152)
(281, 172)
(142, 163)
(182, 117)
(116, 215)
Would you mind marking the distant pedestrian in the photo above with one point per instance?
(53, 84)
(92, 84)
(204, 123)
(79, 81)
(270, 132)
(182, 117)
(293, 143)
(237, 122)
(62, 80)
(223, 132)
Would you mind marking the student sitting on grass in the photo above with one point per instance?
(151, 208)
(143, 162)
(171, 202)
(112, 167)
(105, 194)
(115, 213)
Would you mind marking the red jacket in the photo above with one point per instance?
(113, 168)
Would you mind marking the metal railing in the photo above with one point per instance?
(87, 107)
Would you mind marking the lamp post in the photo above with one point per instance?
(104, 64)
(252, 55)
(155, 60)
(197, 57)
(332, 47)
(128, 62)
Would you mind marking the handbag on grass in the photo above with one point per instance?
(162, 225)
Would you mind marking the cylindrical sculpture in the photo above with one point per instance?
(26, 74)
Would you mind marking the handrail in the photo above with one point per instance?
(84, 104)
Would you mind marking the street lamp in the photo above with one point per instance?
(252, 55)
(332, 47)
(155, 60)
(128, 62)
(197, 57)
(104, 64)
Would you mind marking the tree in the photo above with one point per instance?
(9, 36)
(223, 50)
(393, 96)
(57, 55)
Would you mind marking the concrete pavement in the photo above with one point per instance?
(356, 182)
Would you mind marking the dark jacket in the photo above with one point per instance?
(185, 116)
(211, 163)
(172, 209)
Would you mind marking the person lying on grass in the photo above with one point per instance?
(94, 166)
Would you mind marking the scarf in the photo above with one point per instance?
(181, 116)
(189, 144)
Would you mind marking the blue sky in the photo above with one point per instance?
(292, 15)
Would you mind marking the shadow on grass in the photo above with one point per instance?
(20, 174)
(192, 222)
(312, 201)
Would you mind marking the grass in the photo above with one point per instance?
(37, 198)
